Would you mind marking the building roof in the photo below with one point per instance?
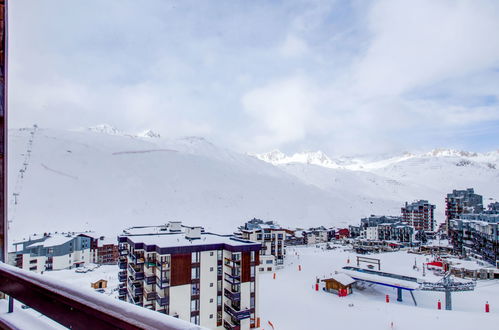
(343, 279)
(168, 240)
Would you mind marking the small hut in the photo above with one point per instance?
(340, 284)
(100, 284)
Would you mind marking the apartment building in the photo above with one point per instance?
(420, 215)
(207, 279)
(271, 236)
(52, 252)
(104, 249)
(318, 235)
(398, 231)
(462, 202)
(476, 235)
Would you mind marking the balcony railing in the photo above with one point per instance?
(79, 309)
(235, 296)
(151, 280)
(162, 282)
(230, 326)
(237, 314)
(162, 301)
(122, 276)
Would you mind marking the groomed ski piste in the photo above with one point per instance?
(290, 301)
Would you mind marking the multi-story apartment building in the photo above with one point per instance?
(398, 231)
(271, 236)
(476, 235)
(104, 249)
(204, 278)
(52, 252)
(420, 215)
(462, 202)
(375, 220)
(318, 235)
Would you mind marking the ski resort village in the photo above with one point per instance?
(430, 261)
(239, 165)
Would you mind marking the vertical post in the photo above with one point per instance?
(3, 130)
(11, 304)
(399, 294)
(448, 300)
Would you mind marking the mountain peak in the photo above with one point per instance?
(149, 134)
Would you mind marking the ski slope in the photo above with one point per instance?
(104, 180)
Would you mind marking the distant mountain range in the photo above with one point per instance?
(103, 179)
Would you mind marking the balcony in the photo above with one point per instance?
(122, 264)
(233, 279)
(150, 295)
(234, 296)
(135, 290)
(232, 263)
(238, 315)
(151, 280)
(230, 326)
(122, 276)
(162, 301)
(162, 282)
(122, 292)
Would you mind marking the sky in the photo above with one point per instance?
(345, 77)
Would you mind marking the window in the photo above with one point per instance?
(195, 289)
(219, 300)
(219, 254)
(195, 257)
(211, 300)
(195, 273)
(211, 253)
(195, 319)
(211, 316)
(211, 285)
(261, 269)
(211, 269)
(252, 271)
(252, 255)
(269, 261)
(194, 305)
(269, 269)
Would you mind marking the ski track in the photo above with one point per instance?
(59, 172)
(142, 151)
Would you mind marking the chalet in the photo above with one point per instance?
(339, 283)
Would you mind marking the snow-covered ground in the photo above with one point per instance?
(290, 301)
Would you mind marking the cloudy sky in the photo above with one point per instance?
(346, 77)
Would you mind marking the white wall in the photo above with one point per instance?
(180, 301)
(208, 275)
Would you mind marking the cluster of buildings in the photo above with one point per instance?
(416, 217)
(55, 251)
(473, 231)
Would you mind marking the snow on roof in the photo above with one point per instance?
(178, 240)
(342, 278)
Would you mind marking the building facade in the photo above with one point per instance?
(399, 232)
(476, 235)
(462, 202)
(271, 236)
(52, 252)
(207, 279)
(420, 215)
(318, 235)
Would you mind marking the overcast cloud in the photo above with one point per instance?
(347, 77)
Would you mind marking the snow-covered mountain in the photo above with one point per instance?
(104, 179)
(276, 157)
